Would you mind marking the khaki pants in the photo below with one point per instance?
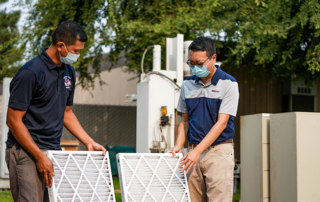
(213, 180)
(26, 183)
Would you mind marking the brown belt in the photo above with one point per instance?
(227, 141)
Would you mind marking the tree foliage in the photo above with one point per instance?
(45, 16)
(277, 36)
(11, 52)
(134, 25)
(280, 37)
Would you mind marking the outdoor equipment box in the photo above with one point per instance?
(254, 137)
(295, 157)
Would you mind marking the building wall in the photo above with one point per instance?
(104, 113)
(118, 84)
(107, 125)
(257, 95)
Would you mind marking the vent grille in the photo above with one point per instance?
(81, 176)
(152, 177)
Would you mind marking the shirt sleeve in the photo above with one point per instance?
(22, 89)
(230, 100)
(182, 106)
(71, 95)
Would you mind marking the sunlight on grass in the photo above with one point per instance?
(6, 196)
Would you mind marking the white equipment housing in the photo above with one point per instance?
(155, 91)
(152, 177)
(186, 69)
(81, 176)
(4, 128)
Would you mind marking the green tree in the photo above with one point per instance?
(45, 16)
(130, 27)
(134, 25)
(11, 51)
(280, 37)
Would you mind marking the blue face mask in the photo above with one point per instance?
(200, 71)
(70, 58)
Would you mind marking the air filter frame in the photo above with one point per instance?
(80, 161)
(140, 175)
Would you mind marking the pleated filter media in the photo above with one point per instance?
(152, 178)
(81, 176)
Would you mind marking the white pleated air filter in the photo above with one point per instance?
(81, 176)
(152, 178)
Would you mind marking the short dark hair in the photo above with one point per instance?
(69, 32)
(203, 44)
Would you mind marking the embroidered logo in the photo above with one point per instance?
(215, 91)
(67, 81)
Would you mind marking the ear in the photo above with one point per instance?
(60, 46)
(214, 58)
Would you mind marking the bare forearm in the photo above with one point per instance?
(74, 127)
(24, 138)
(213, 134)
(182, 133)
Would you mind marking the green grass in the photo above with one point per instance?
(116, 185)
(6, 196)
(237, 196)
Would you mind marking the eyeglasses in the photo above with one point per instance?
(191, 63)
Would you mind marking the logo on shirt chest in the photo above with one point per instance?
(67, 81)
(215, 91)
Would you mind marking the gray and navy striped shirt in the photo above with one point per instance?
(204, 103)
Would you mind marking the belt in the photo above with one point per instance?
(227, 141)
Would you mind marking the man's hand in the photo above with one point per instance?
(182, 132)
(72, 124)
(96, 147)
(190, 160)
(174, 150)
(45, 167)
(22, 135)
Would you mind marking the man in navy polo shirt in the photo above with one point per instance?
(208, 102)
(40, 105)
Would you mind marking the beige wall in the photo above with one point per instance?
(111, 94)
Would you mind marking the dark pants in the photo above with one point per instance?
(26, 183)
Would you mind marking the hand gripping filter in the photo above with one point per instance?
(152, 178)
(81, 176)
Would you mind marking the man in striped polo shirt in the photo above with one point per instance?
(208, 103)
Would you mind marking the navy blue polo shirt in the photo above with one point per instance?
(43, 90)
(204, 103)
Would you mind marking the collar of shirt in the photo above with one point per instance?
(48, 61)
(215, 78)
